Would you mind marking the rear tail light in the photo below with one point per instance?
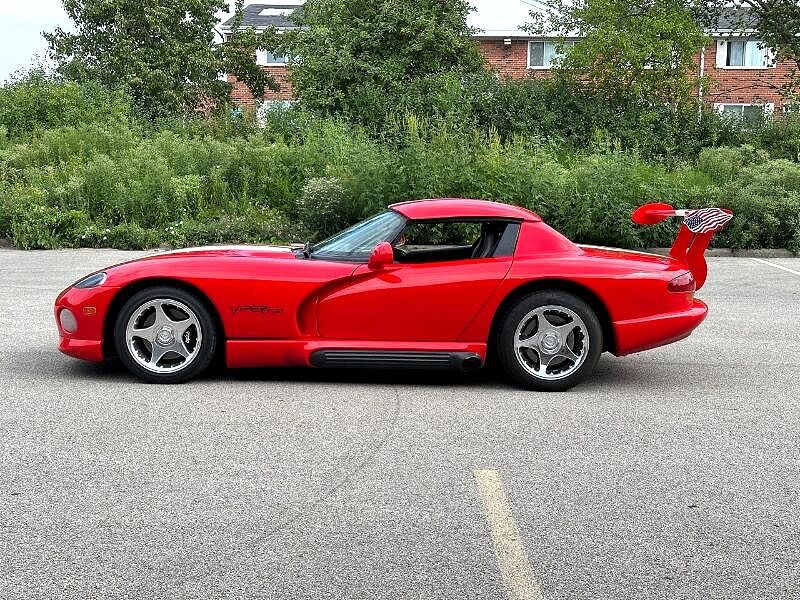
(682, 283)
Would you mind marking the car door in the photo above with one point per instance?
(432, 299)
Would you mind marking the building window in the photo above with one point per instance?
(271, 59)
(748, 112)
(545, 54)
(744, 54)
(791, 109)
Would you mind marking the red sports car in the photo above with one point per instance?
(432, 284)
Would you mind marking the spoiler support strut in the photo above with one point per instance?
(695, 235)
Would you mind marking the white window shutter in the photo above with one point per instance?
(261, 57)
(720, 108)
(722, 53)
(769, 109)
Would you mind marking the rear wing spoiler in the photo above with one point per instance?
(698, 228)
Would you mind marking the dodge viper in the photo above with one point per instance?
(430, 284)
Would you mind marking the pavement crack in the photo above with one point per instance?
(368, 458)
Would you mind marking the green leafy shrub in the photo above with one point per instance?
(766, 201)
(725, 164)
(134, 187)
(322, 205)
(256, 228)
(38, 103)
(46, 227)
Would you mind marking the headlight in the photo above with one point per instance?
(68, 321)
(91, 281)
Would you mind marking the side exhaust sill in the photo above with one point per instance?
(396, 359)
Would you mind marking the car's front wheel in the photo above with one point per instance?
(549, 340)
(165, 335)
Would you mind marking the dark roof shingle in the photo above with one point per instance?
(278, 16)
(735, 18)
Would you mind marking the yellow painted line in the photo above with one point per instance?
(518, 579)
(781, 267)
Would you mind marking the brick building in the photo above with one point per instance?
(263, 16)
(744, 75)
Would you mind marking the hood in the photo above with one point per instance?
(284, 252)
(271, 252)
(251, 251)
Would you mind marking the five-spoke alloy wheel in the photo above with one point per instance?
(549, 340)
(165, 335)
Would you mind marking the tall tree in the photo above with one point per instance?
(647, 46)
(633, 49)
(239, 51)
(776, 22)
(160, 51)
(363, 58)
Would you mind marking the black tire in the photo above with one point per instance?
(512, 361)
(205, 339)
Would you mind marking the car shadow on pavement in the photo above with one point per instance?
(371, 376)
(113, 370)
(611, 374)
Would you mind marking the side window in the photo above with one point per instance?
(429, 236)
(437, 241)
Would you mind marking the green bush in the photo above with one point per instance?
(257, 228)
(46, 227)
(781, 137)
(128, 186)
(724, 165)
(37, 103)
(322, 206)
(766, 200)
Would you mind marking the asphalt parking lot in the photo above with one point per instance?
(671, 474)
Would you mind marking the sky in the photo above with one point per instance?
(21, 24)
(23, 21)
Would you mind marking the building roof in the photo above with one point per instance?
(734, 18)
(490, 18)
(451, 208)
(262, 16)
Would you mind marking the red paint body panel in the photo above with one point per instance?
(411, 302)
(453, 208)
(91, 350)
(637, 335)
(86, 342)
(276, 309)
(235, 280)
(629, 285)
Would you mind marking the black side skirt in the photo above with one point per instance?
(396, 359)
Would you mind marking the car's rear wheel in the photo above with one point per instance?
(549, 340)
(165, 335)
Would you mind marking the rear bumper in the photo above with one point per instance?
(658, 330)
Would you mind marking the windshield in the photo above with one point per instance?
(358, 242)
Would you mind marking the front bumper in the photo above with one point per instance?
(658, 330)
(91, 350)
(89, 307)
